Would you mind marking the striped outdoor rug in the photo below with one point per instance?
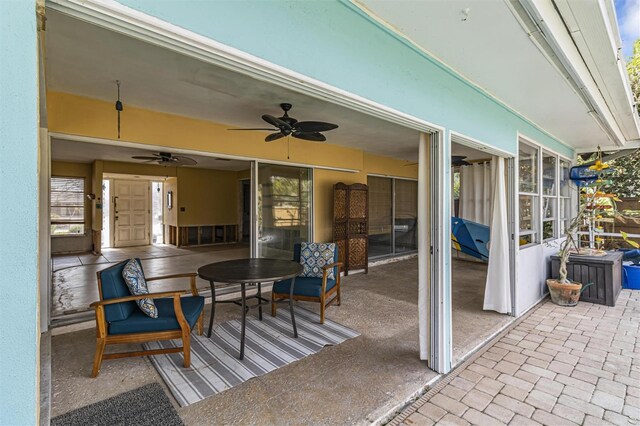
(269, 345)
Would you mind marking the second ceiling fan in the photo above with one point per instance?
(285, 126)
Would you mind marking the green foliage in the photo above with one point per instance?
(625, 179)
(633, 69)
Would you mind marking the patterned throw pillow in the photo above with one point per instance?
(313, 256)
(133, 276)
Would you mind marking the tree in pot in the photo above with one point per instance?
(563, 291)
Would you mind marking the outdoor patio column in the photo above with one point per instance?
(423, 246)
(19, 351)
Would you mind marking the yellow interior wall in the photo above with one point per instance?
(209, 197)
(323, 181)
(76, 115)
(377, 164)
(170, 216)
(138, 169)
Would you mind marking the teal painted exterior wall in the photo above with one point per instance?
(18, 213)
(334, 42)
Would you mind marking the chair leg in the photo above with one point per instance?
(186, 348)
(322, 307)
(200, 325)
(339, 299)
(273, 306)
(97, 359)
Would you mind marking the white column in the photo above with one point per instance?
(440, 235)
(424, 227)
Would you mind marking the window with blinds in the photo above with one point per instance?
(67, 206)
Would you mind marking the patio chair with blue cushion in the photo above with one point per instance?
(119, 319)
(318, 288)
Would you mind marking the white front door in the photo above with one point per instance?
(132, 213)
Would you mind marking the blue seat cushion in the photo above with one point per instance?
(139, 322)
(304, 286)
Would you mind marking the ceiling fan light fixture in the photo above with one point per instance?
(289, 126)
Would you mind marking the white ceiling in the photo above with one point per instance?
(86, 60)
(85, 152)
(492, 50)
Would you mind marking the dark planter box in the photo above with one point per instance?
(605, 272)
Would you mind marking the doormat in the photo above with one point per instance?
(144, 406)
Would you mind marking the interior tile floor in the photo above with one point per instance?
(355, 382)
(74, 276)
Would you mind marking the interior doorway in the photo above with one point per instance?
(481, 285)
(157, 213)
(131, 213)
(245, 189)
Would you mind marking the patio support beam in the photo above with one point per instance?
(19, 333)
(424, 243)
(440, 251)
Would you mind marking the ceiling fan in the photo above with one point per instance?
(458, 160)
(166, 159)
(285, 126)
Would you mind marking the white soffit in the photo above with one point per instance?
(488, 47)
(596, 37)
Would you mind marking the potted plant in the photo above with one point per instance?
(563, 291)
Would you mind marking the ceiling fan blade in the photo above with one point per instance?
(460, 163)
(184, 161)
(313, 136)
(271, 130)
(314, 126)
(276, 122)
(273, 136)
(144, 157)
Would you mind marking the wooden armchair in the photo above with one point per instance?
(310, 289)
(119, 320)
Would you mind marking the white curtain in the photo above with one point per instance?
(497, 293)
(475, 192)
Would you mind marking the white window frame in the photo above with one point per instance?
(84, 209)
(563, 222)
(560, 223)
(553, 199)
(536, 210)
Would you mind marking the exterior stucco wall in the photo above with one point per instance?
(19, 333)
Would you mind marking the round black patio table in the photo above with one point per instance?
(250, 271)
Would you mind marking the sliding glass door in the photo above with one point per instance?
(406, 216)
(393, 216)
(380, 216)
(284, 209)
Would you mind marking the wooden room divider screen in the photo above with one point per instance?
(351, 225)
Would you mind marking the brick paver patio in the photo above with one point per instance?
(557, 366)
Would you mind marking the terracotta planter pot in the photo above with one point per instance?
(564, 294)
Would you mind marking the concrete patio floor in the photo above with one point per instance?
(557, 366)
(354, 382)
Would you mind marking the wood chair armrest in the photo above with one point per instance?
(332, 265)
(191, 275)
(168, 277)
(138, 297)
